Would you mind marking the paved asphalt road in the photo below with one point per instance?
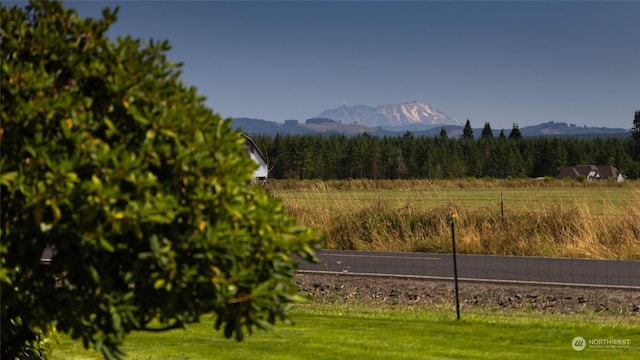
(516, 269)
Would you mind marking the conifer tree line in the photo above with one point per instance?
(365, 156)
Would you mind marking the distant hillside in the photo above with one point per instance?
(293, 127)
(563, 129)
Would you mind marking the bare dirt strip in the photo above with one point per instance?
(341, 288)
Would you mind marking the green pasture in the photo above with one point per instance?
(340, 332)
(603, 200)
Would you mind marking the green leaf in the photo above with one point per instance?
(7, 178)
(113, 130)
(94, 274)
(106, 245)
(137, 116)
(159, 284)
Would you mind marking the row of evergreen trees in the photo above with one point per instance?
(441, 157)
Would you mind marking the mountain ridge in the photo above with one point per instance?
(329, 126)
(390, 115)
(416, 117)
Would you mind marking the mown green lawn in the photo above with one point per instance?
(338, 332)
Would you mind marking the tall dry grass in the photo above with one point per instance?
(560, 229)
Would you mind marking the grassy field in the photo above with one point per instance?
(342, 332)
(540, 218)
(603, 200)
(498, 217)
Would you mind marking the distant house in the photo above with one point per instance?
(591, 172)
(261, 174)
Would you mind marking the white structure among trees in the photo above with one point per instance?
(262, 172)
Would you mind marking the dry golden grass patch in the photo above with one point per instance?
(497, 217)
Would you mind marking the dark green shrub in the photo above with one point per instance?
(142, 193)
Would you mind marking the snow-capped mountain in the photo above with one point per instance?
(390, 115)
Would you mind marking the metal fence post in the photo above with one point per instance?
(453, 216)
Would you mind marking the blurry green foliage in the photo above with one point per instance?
(142, 193)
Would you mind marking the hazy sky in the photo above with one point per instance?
(498, 62)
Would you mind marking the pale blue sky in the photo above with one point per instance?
(496, 62)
